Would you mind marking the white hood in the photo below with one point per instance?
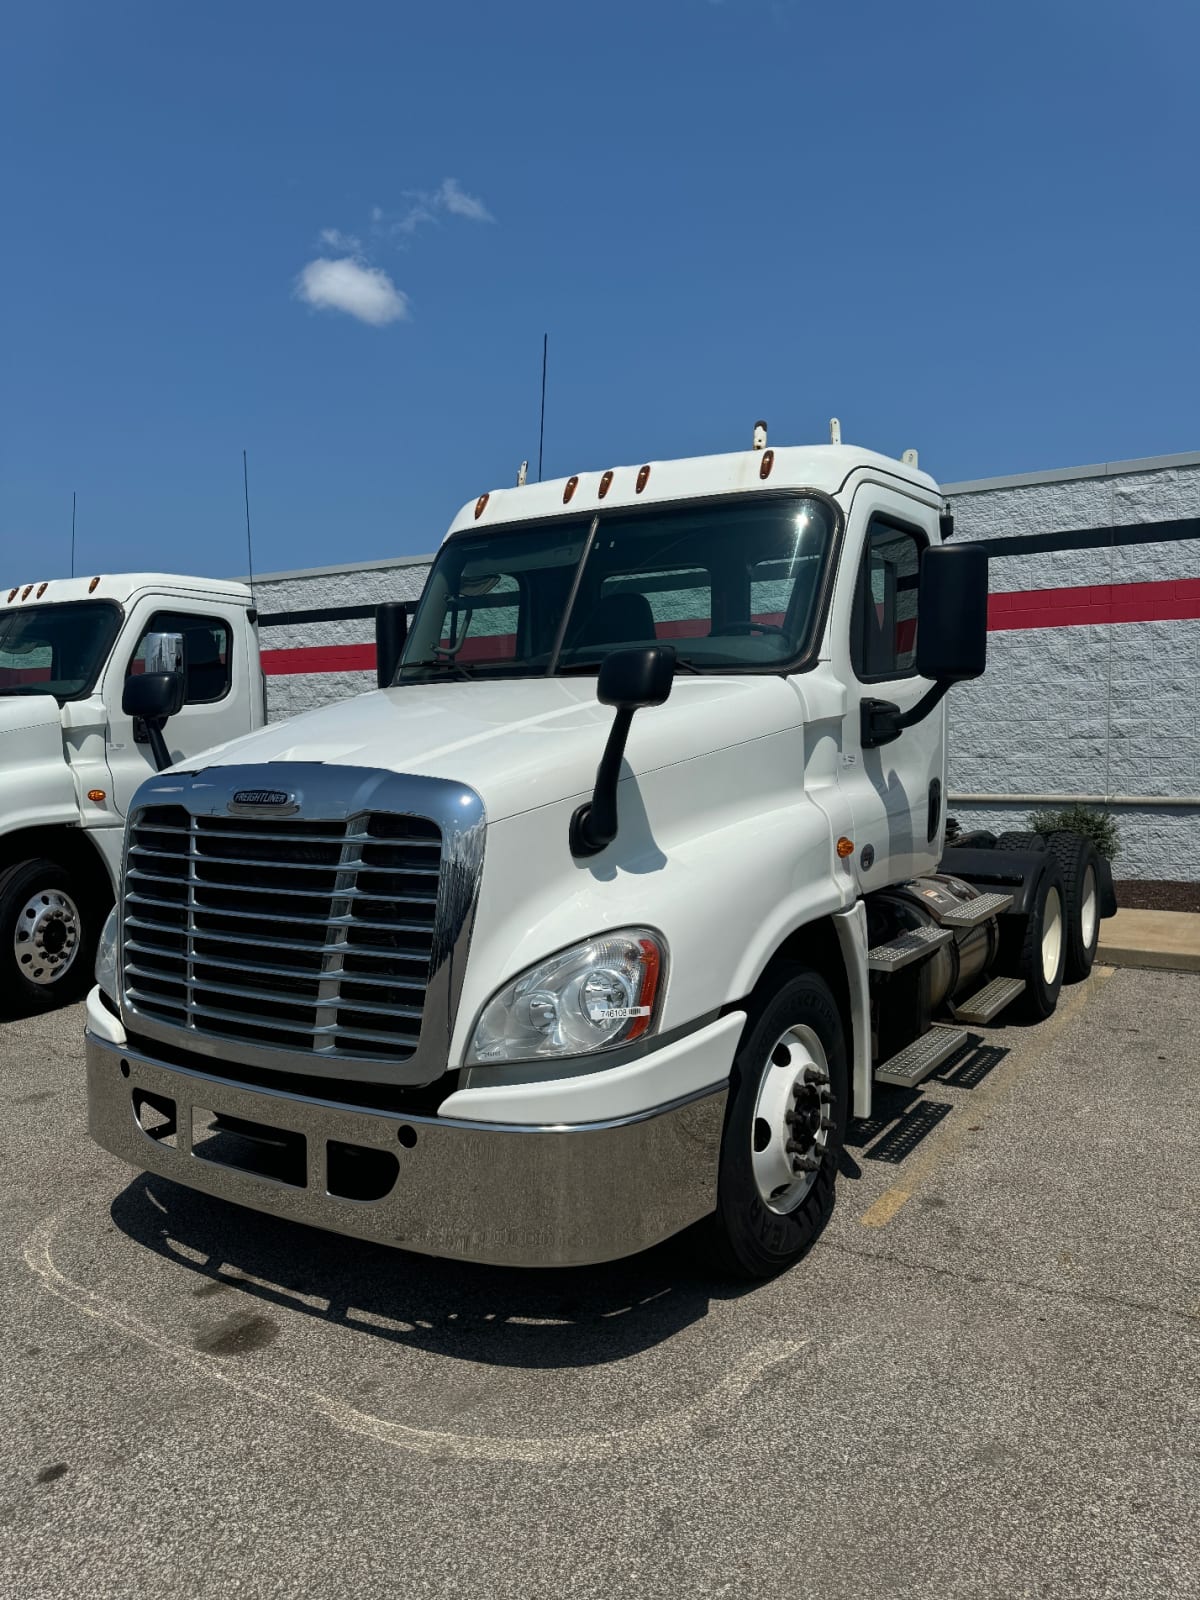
(518, 743)
(30, 730)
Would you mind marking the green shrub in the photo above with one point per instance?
(1098, 826)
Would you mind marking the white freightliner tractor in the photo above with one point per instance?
(608, 909)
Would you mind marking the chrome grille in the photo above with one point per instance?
(300, 935)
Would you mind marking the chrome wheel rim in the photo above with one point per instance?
(46, 936)
(1052, 939)
(1088, 908)
(792, 1117)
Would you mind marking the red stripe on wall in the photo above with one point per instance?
(1170, 600)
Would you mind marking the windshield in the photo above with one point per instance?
(56, 649)
(730, 585)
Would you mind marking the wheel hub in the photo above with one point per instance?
(792, 1118)
(46, 936)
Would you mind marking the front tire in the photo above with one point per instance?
(784, 1127)
(48, 932)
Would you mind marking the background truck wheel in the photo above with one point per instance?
(789, 1096)
(1079, 863)
(1034, 947)
(48, 932)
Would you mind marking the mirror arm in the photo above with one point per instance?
(158, 745)
(594, 825)
(882, 721)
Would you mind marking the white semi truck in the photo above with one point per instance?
(72, 758)
(610, 907)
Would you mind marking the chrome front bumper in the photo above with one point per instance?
(507, 1194)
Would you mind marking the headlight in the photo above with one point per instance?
(594, 996)
(106, 956)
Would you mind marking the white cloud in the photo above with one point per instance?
(350, 286)
(460, 204)
(337, 240)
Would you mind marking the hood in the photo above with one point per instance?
(518, 743)
(20, 711)
(30, 730)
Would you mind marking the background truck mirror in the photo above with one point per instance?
(151, 698)
(391, 630)
(628, 680)
(164, 652)
(952, 625)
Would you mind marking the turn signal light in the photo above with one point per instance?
(97, 795)
(845, 847)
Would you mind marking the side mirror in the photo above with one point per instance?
(952, 636)
(628, 680)
(391, 630)
(158, 692)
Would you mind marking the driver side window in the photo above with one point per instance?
(883, 641)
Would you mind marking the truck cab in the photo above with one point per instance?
(610, 907)
(72, 758)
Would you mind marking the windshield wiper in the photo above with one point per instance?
(443, 663)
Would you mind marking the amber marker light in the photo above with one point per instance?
(97, 795)
(571, 486)
(26, 591)
(92, 585)
(606, 483)
(845, 847)
(768, 461)
(643, 478)
(12, 595)
(480, 504)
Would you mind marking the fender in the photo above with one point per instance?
(38, 787)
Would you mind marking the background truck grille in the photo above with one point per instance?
(298, 935)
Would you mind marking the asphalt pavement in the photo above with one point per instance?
(982, 1381)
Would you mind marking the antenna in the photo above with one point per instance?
(542, 424)
(249, 546)
(72, 533)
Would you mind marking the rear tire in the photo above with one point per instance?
(1020, 841)
(48, 931)
(784, 1127)
(1034, 946)
(1079, 862)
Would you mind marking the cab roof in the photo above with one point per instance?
(821, 466)
(122, 587)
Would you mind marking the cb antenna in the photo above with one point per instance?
(249, 546)
(542, 424)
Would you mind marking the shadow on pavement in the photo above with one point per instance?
(556, 1317)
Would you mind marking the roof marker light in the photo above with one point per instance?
(643, 478)
(25, 591)
(92, 585)
(571, 485)
(12, 595)
(606, 483)
(479, 505)
(41, 590)
(768, 461)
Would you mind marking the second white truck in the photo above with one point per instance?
(72, 757)
(614, 902)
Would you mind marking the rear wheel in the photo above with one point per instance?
(1020, 841)
(1079, 863)
(1034, 946)
(48, 930)
(783, 1129)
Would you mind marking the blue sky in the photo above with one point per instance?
(335, 235)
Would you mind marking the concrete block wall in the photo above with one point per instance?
(1076, 705)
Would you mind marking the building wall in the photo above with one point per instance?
(1093, 654)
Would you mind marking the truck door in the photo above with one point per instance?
(896, 789)
(217, 703)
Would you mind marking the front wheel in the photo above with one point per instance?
(47, 938)
(789, 1100)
